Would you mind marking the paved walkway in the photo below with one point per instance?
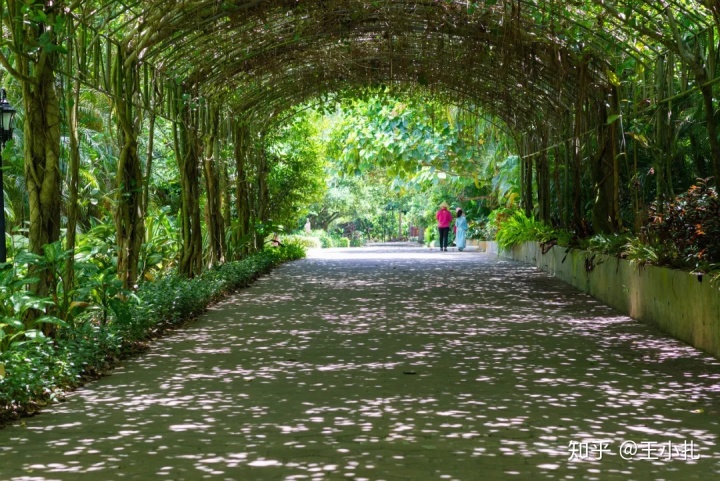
(391, 364)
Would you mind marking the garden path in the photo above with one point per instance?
(390, 363)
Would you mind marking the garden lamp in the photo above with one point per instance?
(7, 118)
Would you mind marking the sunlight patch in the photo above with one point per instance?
(188, 427)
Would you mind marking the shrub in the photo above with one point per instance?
(358, 239)
(342, 242)
(36, 369)
(688, 228)
(431, 235)
(325, 239)
(308, 242)
(640, 252)
(292, 250)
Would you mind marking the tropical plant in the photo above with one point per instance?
(21, 312)
(610, 244)
(162, 243)
(517, 228)
(34, 368)
(638, 251)
(687, 228)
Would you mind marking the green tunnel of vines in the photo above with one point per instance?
(603, 101)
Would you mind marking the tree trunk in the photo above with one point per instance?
(605, 213)
(42, 154)
(579, 127)
(698, 159)
(710, 123)
(187, 151)
(543, 182)
(260, 196)
(568, 149)
(662, 135)
(215, 224)
(242, 194)
(635, 184)
(129, 222)
(148, 164)
(73, 105)
(73, 185)
(263, 195)
(400, 236)
(226, 194)
(576, 172)
(558, 187)
(601, 213)
(703, 71)
(527, 181)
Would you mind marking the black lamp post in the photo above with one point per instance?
(7, 118)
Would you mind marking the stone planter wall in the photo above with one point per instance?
(476, 243)
(684, 305)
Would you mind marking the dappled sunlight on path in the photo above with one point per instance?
(391, 364)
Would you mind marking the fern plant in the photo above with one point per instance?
(611, 244)
(518, 228)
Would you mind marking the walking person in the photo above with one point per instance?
(444, 217)
(461, 227)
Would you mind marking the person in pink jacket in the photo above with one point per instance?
(444, 217)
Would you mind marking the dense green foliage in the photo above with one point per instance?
(687, 229)
(414, 139)
(296, 157)
(516, 228)
(36, 368)
(392, 158)
(684, 234)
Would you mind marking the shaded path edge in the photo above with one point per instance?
(131, 349)
(678, 303)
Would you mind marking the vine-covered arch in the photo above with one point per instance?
(558, 73)
(253, 52)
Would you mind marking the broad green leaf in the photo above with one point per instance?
(55, 321)
(34, 334)
(613, 118)
(613, 78)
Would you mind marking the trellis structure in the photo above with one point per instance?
(224, 70)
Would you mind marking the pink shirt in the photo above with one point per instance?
(444, 217)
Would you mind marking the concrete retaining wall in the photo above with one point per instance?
(684, 305)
